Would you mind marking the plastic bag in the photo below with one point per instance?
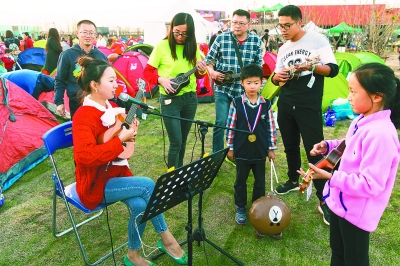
(330, 117)
(342, 109)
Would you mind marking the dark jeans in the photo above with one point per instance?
(180, 106)
(294, 122)
(222, 104)
(242, 173)
(73, 104)
(349, 244)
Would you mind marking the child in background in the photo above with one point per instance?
(8, 60)
(359, 191)
(250, 112)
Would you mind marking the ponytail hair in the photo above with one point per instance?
(377, 78)
(91, 69)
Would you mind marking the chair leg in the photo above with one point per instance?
(75, 227)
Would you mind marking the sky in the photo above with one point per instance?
(131, 14)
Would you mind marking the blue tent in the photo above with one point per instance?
(32, 58)
(33, 82)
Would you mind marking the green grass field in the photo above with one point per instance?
(25, 218)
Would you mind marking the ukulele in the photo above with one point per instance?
(329, 161)
(294, 76)
(182, 80)
(230, 77)
(123, 120)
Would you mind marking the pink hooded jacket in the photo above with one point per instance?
(360, 189)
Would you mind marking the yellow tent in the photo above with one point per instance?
(40, 44)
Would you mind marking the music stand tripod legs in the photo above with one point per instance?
(183, 184)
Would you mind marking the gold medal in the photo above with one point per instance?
(252, 138)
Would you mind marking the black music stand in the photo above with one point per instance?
(183, 184)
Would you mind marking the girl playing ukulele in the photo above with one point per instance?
(359, 191)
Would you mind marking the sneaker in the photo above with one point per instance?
(287, 187)
(230, 162)
(240, 216)
(277, 236)
(326, 213)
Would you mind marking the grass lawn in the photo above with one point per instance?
(25, 218)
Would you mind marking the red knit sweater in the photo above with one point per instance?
(91, 158)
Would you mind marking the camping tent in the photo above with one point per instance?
(23, 121)
(32, 58)
(269, 64)
(310, 26)
(343, 27)
(155, 29)
(347, 62)
(333, 88)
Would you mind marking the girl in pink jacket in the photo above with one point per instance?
(358, 192)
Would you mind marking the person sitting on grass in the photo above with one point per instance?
(100, 175)
(250, 112)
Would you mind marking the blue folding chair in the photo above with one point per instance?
(57, 138)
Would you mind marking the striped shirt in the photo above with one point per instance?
(223, 53)
(232, 117)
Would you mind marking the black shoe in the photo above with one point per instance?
(287, 187)
(326, 213)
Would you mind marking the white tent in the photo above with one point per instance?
(310, 26)
(156, 27)
(274, 31)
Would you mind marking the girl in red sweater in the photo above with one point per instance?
(100, 175)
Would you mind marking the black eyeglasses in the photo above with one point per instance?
(177, 34)
(241, 24)
(285, 26)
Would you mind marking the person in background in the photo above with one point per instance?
(212, 39)
(8, 60)
(64, 44)
(251, 112)
(177, 53)
(101, 41)
(101, 177)
(222, 51)
(53, 50)
(69, 40)
(255, 31)
(27, 40)
(265, 38)
(300, 101)
(398, 48)
(68, 69)
(11, 40)
(358, 192)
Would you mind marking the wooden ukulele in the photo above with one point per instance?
(182, 80)
(230, 77)
(329, 161)
(123, 120)
(294, 76)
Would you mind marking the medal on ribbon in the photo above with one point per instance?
(252, 137)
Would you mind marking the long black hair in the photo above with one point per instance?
(53, 33)
(190, 48)
(377, 78)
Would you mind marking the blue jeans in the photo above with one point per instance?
(135, 193)
(184, 106)
(222, 104)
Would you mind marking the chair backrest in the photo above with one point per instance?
(59, 137)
